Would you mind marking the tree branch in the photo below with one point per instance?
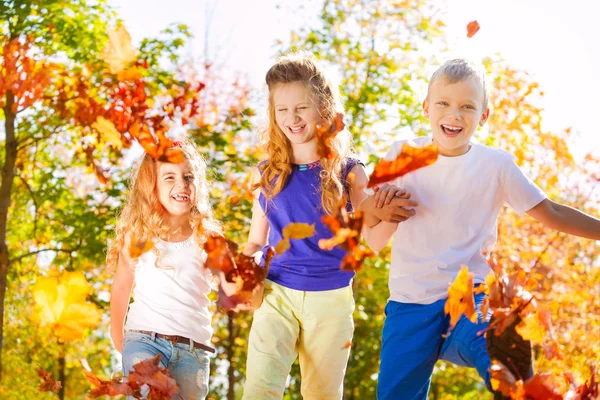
(41, 251)
(34, 203)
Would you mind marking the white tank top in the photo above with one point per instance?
(172, 298)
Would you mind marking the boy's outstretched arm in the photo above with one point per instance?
(566, 219)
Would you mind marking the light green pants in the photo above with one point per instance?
(315, 326)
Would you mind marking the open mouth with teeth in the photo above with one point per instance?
(294, 130)
(450, 130)
(181, 197)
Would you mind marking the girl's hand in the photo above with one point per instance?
(386, 193)
(255, 299)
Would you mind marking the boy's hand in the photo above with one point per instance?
(386, 193)
(390, 204)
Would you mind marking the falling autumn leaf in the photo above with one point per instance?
(113, 387)
(49, 384)
(472, 28)
(326, 131)
(510, 296)
(108, 131)
(346, 228)
(530, 328)
(119, 51)
(60, 303)
(148, 372)
(294, 230)
(538, 387)
(220, 256)
(586, 391)
(139, 247)
(238, 268)
(409, 159)
(460, 298)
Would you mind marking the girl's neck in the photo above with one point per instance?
(180, 228)
(305, 153)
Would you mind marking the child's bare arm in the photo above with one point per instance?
(566, 219)
(259, 226)
(119, 297)
(378, 236)
(257, 239)
(386, 209)
(358, 183)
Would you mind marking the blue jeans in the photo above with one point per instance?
(187, 365)
(415, 336)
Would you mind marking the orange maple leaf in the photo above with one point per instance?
(326, 131)
(472, 28)
(409, 159)
(346, 230)
(460, 298)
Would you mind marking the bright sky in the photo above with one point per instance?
(557, 42)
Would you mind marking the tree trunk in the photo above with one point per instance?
(229, 351)
(61, 372)
(8, 175)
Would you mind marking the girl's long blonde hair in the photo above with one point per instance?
(142, 218)
(301, 67)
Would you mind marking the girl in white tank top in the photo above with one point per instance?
(157, 247)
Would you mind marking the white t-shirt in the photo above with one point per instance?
(172, 299)
(455, 223)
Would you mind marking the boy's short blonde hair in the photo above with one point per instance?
(459, 70)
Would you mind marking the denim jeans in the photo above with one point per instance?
(187, 365)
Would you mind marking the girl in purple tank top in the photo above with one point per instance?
(305, 309)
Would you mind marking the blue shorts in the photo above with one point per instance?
(415, 336)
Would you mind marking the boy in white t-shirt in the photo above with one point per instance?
(453, 224)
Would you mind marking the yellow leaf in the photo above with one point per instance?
(294, 231)
(118, 51)
(60, 302)
(530, 328)
(298, 230)
(108, 131)
(283, 245)
(460, 298)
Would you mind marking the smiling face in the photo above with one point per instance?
(176, 188)
(455, 110)
(295, 112)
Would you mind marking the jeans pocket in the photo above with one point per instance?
(136, 336)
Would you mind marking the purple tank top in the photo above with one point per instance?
(304, 266)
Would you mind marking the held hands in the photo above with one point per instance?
(391, 204)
